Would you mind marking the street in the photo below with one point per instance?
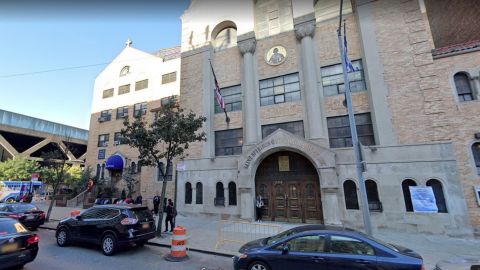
(81, 256)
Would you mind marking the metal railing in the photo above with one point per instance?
(241, 232)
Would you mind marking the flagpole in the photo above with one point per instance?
(227, 119)
(353, 130)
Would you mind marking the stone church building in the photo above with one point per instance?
(415, 98)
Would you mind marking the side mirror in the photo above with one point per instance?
(285, 249)
(78, 217)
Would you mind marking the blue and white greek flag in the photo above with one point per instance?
(348, 63)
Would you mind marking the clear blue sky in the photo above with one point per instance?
(47, 35)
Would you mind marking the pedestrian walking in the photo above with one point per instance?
(139, 199)
(258, 207)
(171, 213)
(156, 204)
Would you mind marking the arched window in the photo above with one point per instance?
(438, 192)
(220, 194)
(351, 197)
(464, 88)
(476, 155)
(232, 193)
(125, 70)
(98, 171)
(406, 193)
(103, 172)
(133, 168)
(188, 193)
(224, 35)
(374, 203)
(199, 194)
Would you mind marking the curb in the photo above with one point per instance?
(193, 249)
(169, 246)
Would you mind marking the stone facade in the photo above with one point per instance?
(420, 127)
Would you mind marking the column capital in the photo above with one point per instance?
(305, 29)
(247, 46)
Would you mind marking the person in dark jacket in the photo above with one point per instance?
(171, 213)
(156, 204)
(139, 200)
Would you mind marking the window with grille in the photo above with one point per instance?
(124, 89)
(199, 193)
(118, 139)
(351, 197)
(406, 193)
(232, 193)
(339, 130)
(141, 85)
(167, 101)
(103, 140)
(280, 89)
(139, 109)
(188, 193)
(476, 155)
(373, 199)
(233, 99)
(107, 93)
(295, 128)
(169, 77)
(464, 89)
(122, 112)
(220, 195)
(332, 79)
(438, 193)
(228, 142)
(105, 116)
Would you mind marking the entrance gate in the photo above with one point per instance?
(289, 186)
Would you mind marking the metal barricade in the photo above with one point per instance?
(241, 232)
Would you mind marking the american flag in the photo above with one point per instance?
(348, 63)
(218, 95)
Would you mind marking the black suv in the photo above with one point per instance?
(111, 226)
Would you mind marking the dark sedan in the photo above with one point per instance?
(110, 226)
(28, 214)
(326, 248)
(18, 246)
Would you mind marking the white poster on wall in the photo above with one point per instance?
(423, 199)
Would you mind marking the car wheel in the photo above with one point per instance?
(257, 265)
(63, 237)
(109, 244)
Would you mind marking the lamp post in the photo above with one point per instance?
(353, 130)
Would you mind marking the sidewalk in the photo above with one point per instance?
(202, 235)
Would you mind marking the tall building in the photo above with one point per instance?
(133, 84)
(415, 98)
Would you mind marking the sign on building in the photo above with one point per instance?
(101, 154)
(423, 199)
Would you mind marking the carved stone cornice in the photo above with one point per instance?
(306, 29)
(247, 46)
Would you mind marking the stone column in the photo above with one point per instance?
(246, 203)
(304, 32)
(377, 88)
(250, 89)
(476, 87)
(208, 147)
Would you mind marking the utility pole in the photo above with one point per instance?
(353, 129)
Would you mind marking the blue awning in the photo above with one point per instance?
(114, 162)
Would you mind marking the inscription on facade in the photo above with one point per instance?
(296, 143)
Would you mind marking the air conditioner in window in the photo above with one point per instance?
(102, 119)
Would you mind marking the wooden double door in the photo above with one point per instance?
(289, 186)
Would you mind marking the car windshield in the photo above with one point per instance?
(380, 242)
(279, 237)
(20, 208)
(8, 226)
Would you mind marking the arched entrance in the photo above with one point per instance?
(289, 185)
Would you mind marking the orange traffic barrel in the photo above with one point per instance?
(179, 245)
(75, 213)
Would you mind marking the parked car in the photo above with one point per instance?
(18, 246)
(324, 247)
(27, 214)
(110, 226)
